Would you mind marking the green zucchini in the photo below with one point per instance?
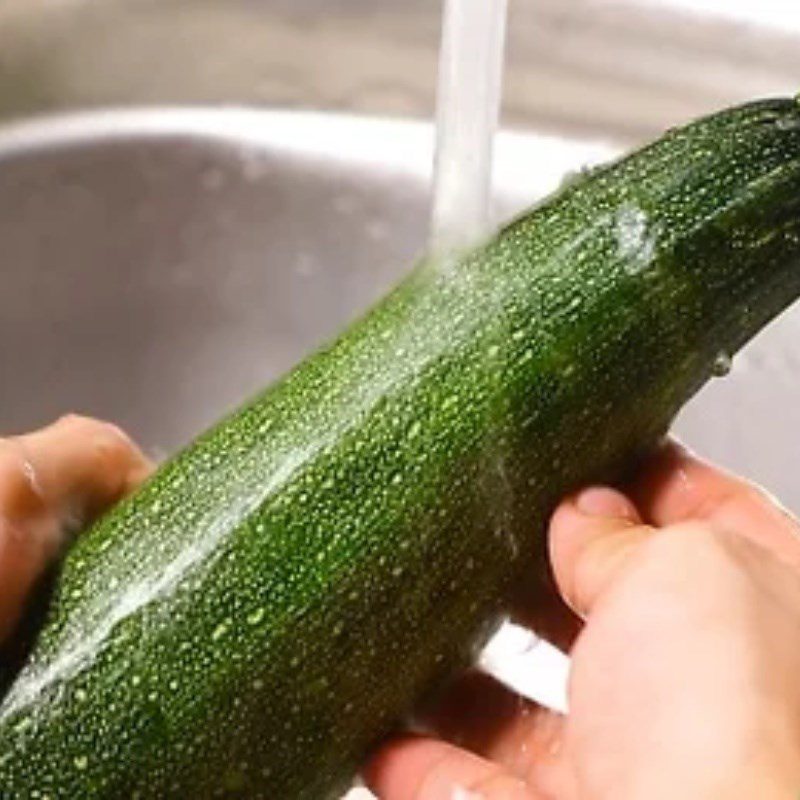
(278, 596)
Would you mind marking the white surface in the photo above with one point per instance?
(782, 15)
(359, 794)
(529, 665)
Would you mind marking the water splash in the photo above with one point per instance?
(89, 641)
(723, 364)
(788, 124)
(85, 640)
(636, 241)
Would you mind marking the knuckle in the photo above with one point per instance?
(111, 446)
(112, 434)
(106, 452)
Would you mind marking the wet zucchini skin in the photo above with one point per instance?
(280, 594)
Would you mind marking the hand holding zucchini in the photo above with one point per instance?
(280, 594)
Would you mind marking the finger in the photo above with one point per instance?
(592, 537)
(51, 480)
(76, 467)
(676, 486)
(415, 768)
(479, 714)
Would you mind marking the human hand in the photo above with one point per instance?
(684, 679)
(52, 483)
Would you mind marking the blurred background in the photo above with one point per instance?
(620, 70)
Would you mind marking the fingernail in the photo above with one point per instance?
(602, 502)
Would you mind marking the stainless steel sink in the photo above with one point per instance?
(159, 266)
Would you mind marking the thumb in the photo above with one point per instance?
(593, 536)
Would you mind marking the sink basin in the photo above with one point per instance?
(158, 267)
